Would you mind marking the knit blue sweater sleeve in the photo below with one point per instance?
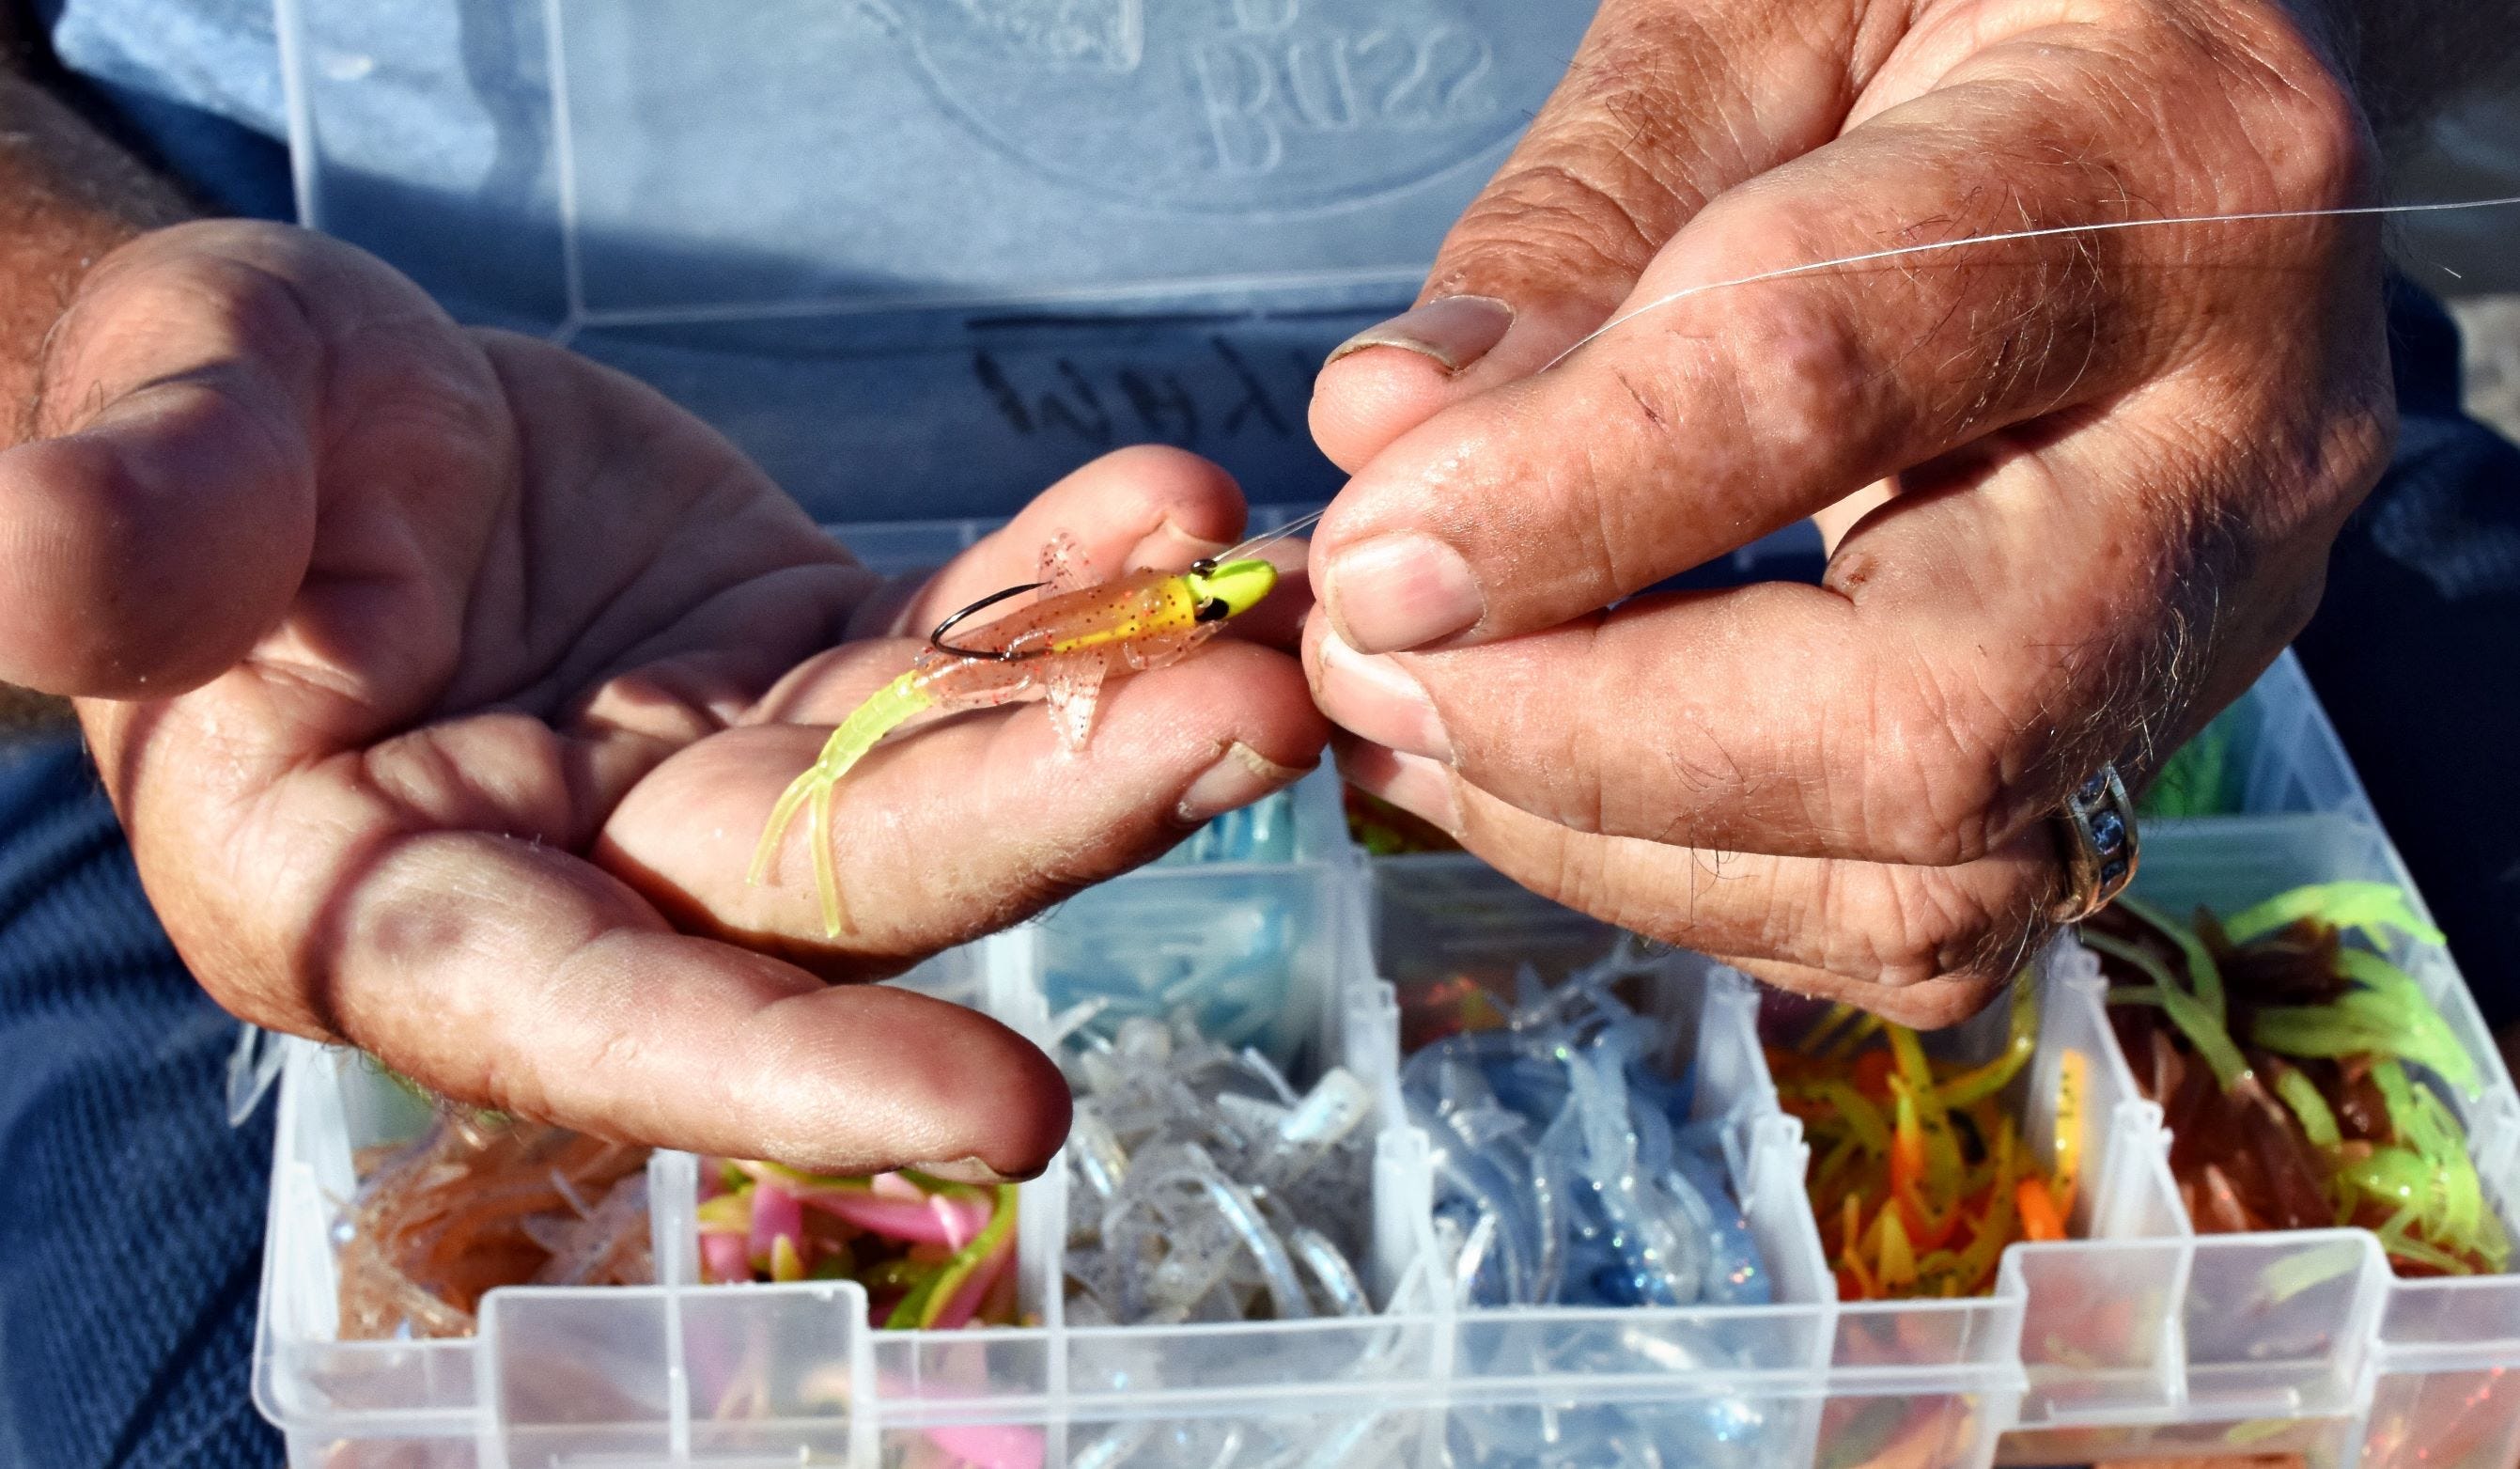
(130, 1212)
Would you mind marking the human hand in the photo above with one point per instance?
(443, 681)
(2103, 470)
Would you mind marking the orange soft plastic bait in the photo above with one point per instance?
(1920, 1174)
(478, 1202)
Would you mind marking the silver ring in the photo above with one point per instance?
(2096, 836)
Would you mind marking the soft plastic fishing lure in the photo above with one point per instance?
(2281, 1054)
(1568, 1167)
(1921, 1175)
(478, 1202)
(1207, 1188)
(1060, 648)
(933, 1254)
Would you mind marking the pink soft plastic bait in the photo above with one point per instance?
(933, 1256)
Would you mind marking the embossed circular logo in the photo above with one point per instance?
(1240, 103)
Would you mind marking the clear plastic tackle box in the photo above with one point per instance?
(909, 253)
(2135, 1336)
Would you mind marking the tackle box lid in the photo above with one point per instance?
(919, 256)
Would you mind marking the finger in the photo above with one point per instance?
(1874, 924)
(1978, 649)
(960, 827)
(149, 543)
(1145, 506)
(340, 898)
(1662, 108)
(1929, 1006)
(1725, 415)
(516, 976)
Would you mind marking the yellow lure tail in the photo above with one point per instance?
(884, 712)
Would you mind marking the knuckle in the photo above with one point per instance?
(2312, 136)
(1602, 180)
(2292, 603)
(2356, 444)
(1909, 925)
(1546, 229)
(1801, 377)
(2319, 150)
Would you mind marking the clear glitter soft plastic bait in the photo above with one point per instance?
(1218, 939)
(1204, 1187)
(1568, 1172)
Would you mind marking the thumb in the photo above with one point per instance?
(165, 522)
(1663, 107)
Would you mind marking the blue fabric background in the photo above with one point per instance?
(130, 1213)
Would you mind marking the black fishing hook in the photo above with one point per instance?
(936, 639)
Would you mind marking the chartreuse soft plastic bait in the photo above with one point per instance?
(2303, 1112)
(1922, 1175)
(1060, 648)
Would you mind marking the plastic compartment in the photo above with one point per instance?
(2305, 1340)
(1730, 1385)
(685, 1372)
(554, 1375)
(1256, 937)
(2136, 1336)
(1922, 1382)
(1134, 1394)
(1935, 1382)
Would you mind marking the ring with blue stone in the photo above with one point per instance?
(2096, 838)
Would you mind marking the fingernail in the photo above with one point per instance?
(969, 1170)
(1454, 330)
(1376, 698)
(1392, 592)
(1414, 784)
(1240, 776)
(1169, 545)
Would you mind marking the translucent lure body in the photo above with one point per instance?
(1059, 648)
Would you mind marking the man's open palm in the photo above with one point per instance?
(443, 678)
